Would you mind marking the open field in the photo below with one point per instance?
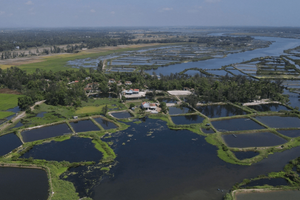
(5, 114)
(57, 62)
(8, 101)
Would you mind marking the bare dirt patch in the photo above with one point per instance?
(8, 91)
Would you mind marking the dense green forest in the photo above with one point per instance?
(56, 88)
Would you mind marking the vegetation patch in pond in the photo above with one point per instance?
(239, 124)
(75, 149)
(104, 123)
(215, 111)
(23, 184)
(266, 181)
(45, 132)
(279, 122)
(187, 119)
(179, 110)
(253, 140)
(8, 143)
(274, 195)
(241, 155)
(84, 126)
(290, 133)
(122, 115)
(269, 107)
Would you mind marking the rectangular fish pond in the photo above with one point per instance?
(262, 139)
(105, 124)
(290, 133)
(121, 115)
(269, 107)
(84, 126)
(75, 149)
(215, 111)
(240, 124)
(279, 122)
(180, 110)
(272, 195)
(187, 119)
(8, 143)
(23, 184)
(45, 132)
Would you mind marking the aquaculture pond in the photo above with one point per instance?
(253, 140)
(207, 130)
(84, 126)
(266, 181)
(121, 115)
(8, 143)
(45, 132)
(155, 162)
(105, 124)
(187, 119)
(23, 184)
(179, 110)
(294, 98)
(75, 149)
(279, 122)
(41, 114)
(215, 111)
(241, 155)
(290, 133)
(269, 107)
(239, 124)
(272, 195)
(275, 49)
(19, 124)
(167, 100)
(15, 109)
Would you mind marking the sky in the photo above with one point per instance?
(110, 13)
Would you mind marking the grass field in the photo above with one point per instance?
(4, 114)
(58, 62)
(89, 109)
(8, 101)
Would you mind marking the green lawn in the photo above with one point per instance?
(8, 101)
(4, 114)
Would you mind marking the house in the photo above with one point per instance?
(186, 89)
(128, 83)
(145, 105)
(111, 81)
(136, 91)
(127, 92)
(148, 106)
(119, 83)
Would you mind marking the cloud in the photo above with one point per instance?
(212, 1)
(2, 12)
(29, 3)
(167, 9)
(112, 12)
(93, 11)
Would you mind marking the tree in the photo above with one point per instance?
(163, 107)
(100, 66)
(123, 98)
(131, 105)
(105, 109)
(24, 102)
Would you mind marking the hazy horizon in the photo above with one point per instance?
(134, 13)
